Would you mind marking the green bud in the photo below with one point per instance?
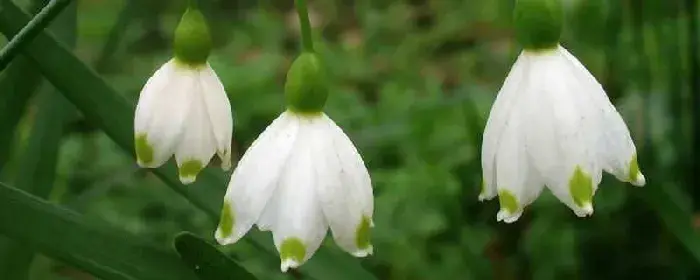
(538, 23)
(192, 41)
(306, 89)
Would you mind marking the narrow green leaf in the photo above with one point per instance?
(37, 166)
(206, 261)
(678, 221)
(116, 34)
(17, 86)
(108, 110)
(24, 36)
(106, 252)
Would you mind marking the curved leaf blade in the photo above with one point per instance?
(106, 252)
(206, 261)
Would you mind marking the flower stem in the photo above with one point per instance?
(193, 4)
(307, 42)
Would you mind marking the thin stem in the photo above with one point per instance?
(306, 40)
(31, 30)
(694, 60)
(193, 4)
(124, 19)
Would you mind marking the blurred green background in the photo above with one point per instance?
(412, 84)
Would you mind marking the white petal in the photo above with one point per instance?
(219, 109)
(617, 151)
(197, 144)
(255, 178)
(519, 184)
(298, 227)
(344, 188)
(160, 114)
(563, 135)
(498, 118)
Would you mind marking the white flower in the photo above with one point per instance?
(553, 125)
(301, 175)
(183, 110)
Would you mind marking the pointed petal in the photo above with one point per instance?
(298, 227)
(519, 184)
(197, 145)
(498, 118)
(617, 151)
(344, 188)
(255, 178)
(562, 141)
(160, 114)
(219, 110)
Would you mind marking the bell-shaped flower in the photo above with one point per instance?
(301, 176)
(183, 109)
(552, 125)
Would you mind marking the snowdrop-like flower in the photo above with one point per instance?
(183, 108)
(551, 125)
(300, 177)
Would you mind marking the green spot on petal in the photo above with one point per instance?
(634, 169)
(227, 220)
(144, 150)
(293, 248)
(508, 201)
(581, 187)
(483, 187)
(362, 234)
(189, 170)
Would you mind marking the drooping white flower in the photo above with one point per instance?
(183, 110)
(300, 177)
(553, 125)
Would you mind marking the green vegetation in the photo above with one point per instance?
(410, 81)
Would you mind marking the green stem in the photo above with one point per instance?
(109, 49)
(31, 30)
(193, 4)
(306, 41)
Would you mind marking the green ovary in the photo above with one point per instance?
(362, 234)
(293, 248)
(306, 89)
(581, 187)
(508, 201)
(538, 23)
(227, 220)
(192, 41)
(144, 150)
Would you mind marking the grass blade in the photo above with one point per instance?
(17, 86)
(37, 167)
(115, 36)
(106, 252)
(676, 220)
(42, 19)
(206, 261)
